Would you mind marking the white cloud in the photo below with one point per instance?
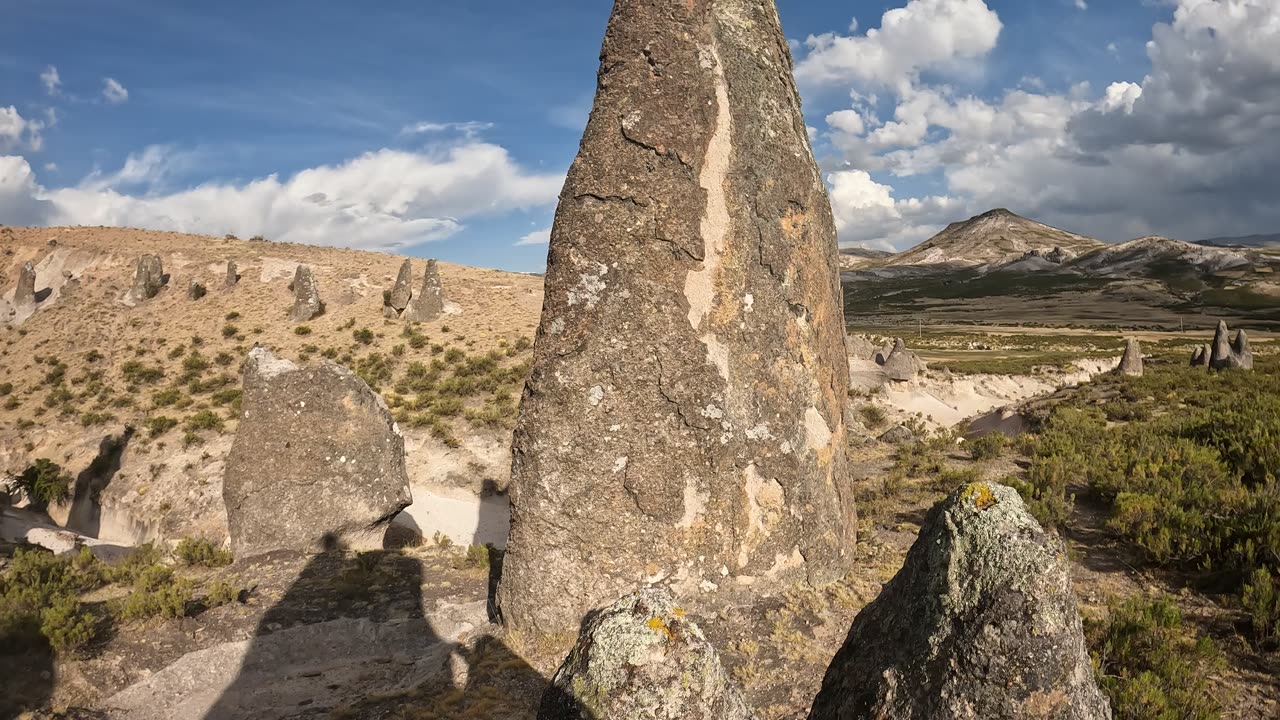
(19, 132)
(468, 129)
(381, 199)
(51, 167)
(537, 237)
(113, 91)
(924, 35)
(52, 83)
(867, 214)
(1082, 5)
(1191, 151)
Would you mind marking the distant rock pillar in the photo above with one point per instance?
(683, 423)
(233, 274)
(428, 303)
(25, 294)
(1131, 361)
(306, 295)
(402, 291)
(148, 278)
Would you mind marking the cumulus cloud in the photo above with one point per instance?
(19, 132)
(113, 91)
(537, 237)
(924, 35)
(381, 199)
(468, 129)
(52, 83)
(866, 212)
(1190, 151)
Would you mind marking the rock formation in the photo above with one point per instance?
(980, 622)
(196, 290)
(1131, 361)
(898, 435)
(882, 356)
(316, 453)
(1242, 351)
(148, 278)
(233, 274)
(1226, 355)
(858, 346)
(902, 365)
(1200, 356)
(25, 294)
(642, 658)
(428, 303)
(398, 298)
(683, 423)
(306, 295)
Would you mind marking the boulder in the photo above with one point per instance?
(1242, 351)
(317, 454)
(902, 365)
(1131, 361)
(898, 435)
(980, 622)
(233, 274)
(428, 303)
(196, 290)
(25, 293)
(1226, 355)
(642, 657)
(398, 298)
(882, 355)
(148, 278)
(858, 346)
(683, 422)
(306, 295)
(1200, 356)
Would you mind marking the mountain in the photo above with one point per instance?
(1253, 241)
(852, 258)
(1157, 256)
(996, 237)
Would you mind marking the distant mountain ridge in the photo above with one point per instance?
(995, 237)
(1253, 241)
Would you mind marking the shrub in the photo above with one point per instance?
(195, 363)
(873, 416)
(137, 373)
(302, 330)
(230, 331)
(1261, 599)
(202, 552)
(6, 388)
(156, 592)
(66, 625)
(987, 447)
(223, 592)
(477, 557)
(45, 482)
(38, 592)
(363, 336)
(224, 359)
(233, 315)
(90, 419)
(1148, 665)
(159, 425)
(204, 420)
(166, 397)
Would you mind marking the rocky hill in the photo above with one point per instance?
(855, 257)
(994, 238)
(138, 399)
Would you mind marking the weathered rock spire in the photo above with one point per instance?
(1131, 360)
(25, 293)
(403, 289)
(148, 278)
(306, 295)
(428, 303)
(683, 422)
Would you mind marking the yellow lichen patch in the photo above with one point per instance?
(657, 624)
(981, 495)
(678, 612)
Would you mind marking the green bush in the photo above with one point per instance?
(202, 552)
(363, 336)
(6, 388)
(302, 330)
(477, 556)
(204, 420)
(38, 592)
(90, 419)
(45, 482)
(1261, 599)
(66, 625)
(1149, 666)
(159, 425)
(873, 416)
(987, 447)
(138, 373)
(156, 592)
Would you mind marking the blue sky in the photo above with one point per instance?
(445, 129)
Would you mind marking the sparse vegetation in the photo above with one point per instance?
(364, 336)
(44, 482)
(302, 330)
(202, 552)
(987, 447)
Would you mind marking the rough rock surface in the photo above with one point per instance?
(1200, 356)
(683, 422)
(403, 289)
(233, 273)
(428, 303)
(306, 295)
(25, 293)
(148, 278)
(1242, 351)
(898, 435)
(980, 622)
(902, 365)
(317, 453)
(859, 347)
(1131, 361)
(1227, 355)
(196, 290)
(642, 658)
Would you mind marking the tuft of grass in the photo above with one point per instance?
(302, 330)
(202, 552)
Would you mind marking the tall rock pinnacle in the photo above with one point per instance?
(683, 421)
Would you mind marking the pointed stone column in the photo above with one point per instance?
(403, 289)
(25, 294)
(428, 303)
(683, 423)
(306, 295)
(148, 278)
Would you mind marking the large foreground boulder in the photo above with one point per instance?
(1131, 360)
(148, 278)
(642, 658)
(316, 455)
(683, 423)
(428, 303)
(980, 622)
(306, 295)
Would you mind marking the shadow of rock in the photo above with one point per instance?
(85, 516)
(42, 295)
